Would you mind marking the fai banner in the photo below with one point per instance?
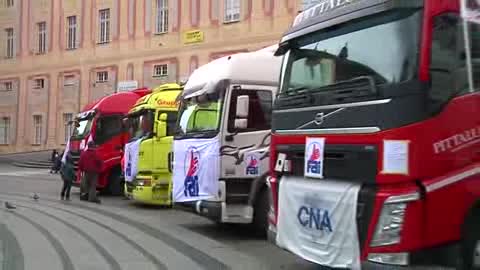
(317, 221)
(196, 169)
(130, 158)
(471, 10)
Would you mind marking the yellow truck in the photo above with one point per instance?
(148, 156)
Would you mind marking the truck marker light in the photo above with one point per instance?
(390, 221)
(287, 166)
(389, 258)
(280, 162)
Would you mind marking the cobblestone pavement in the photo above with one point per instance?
(53, 234)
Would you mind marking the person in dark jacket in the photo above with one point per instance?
(66, 172)
(90, 165)
(57, 160)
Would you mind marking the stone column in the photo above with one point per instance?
(22, 117)
(53, 88)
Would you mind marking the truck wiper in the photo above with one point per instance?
(294, 90)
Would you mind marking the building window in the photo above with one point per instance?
(10, 52)
(7, 86)
(37, 129)
(232, 10)
(306, 4)
(38, 83)
(160, 70)
(5, 130)
(104, 21)
(69, 80)
(72, 32)
(161, 18)
(9, 3)
(68, 128)
(42, 37)
(102, 76)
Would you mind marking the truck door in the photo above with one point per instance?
(247, 137)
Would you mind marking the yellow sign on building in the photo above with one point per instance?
(194, 36)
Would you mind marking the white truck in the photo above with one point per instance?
(222, 141)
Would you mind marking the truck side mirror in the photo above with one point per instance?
(242, 106)
(241, 116)
(162, 125)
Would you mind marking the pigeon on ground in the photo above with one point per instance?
(35, 196)
(10, 206)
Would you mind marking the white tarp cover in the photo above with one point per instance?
(130, 157)
(196, 169)
(471, 10)
(65, 153)
(317, 221)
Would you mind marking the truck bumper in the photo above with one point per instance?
(221, 212)
(378, 266)
(451, 250)
(158, 193)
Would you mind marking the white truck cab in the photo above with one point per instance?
(222, 141)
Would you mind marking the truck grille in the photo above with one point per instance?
(347, 162)
(356, 163)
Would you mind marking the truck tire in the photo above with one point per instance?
(471, 243)
(260, 213)
(115, 183)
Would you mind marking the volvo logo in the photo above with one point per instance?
(319, 117)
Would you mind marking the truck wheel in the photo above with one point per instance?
(260, 214)
(115, 183)
(471, 244)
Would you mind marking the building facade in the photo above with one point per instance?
(58, 55)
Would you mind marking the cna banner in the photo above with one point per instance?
(196, 169)
(130, 157)
(471, 10)
(317, 221)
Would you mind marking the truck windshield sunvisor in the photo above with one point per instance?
(381, 49)
(210, 87)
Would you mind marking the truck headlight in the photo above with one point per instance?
(390, 222)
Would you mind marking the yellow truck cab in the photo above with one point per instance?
(148, 155)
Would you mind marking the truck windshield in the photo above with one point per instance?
(383, 48)
(82, 128)
(141, 124)
(199, 118)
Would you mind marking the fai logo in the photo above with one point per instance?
(191, 171)
(252, 165)
(314, 162)
(128, 170)
(314, 157)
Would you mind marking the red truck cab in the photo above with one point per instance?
(102, 122)
(375, 98)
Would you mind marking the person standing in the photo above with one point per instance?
(90, 165)
(67, 177)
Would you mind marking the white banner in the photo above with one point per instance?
(131, 160)
(317, 221)
(471, 10)
(65, 153)
(196, 169)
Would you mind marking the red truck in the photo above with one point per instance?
(375, 148)
(102, 122)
